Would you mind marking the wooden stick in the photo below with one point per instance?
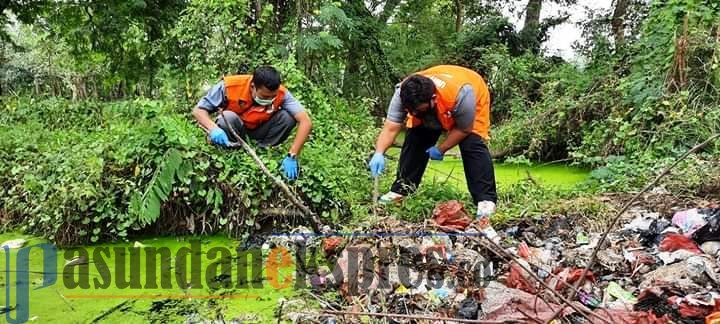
(376, 194)
(493, 247)
(627, 205)
(418, 317)
(280, 312)
(112, 310)
(293, 199)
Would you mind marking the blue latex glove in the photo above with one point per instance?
(218, 136)
(435, 153)
(377, 164)
(290, 166)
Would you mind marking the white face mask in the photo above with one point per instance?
(263, 102)
(260, 101)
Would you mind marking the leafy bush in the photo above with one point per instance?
(625, 109)
(89, 171)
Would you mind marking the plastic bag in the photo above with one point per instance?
(451, 216)
(673, 242)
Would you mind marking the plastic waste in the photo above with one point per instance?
(487, 229)
(441, 293)
(512, 231)
(673, 242)
(672, 257)
(689, 221)
(13, 244)
(713, 318)
(330, 244)
(401, 290)
(641, 223)
(468, 309)
(701, 267)
(614, 290)
(711, 247)
(711, 230)
(451, 216)
(652, 236)
(518, 279)
(588, 299)
(581, 239)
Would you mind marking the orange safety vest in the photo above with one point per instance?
(239, 100)
(449, 79)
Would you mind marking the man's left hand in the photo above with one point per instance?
(435, 153)
(290, 166)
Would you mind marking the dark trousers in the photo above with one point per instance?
(476, 159)
(270, 133)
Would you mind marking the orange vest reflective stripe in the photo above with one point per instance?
(449, 79)
(239, 100)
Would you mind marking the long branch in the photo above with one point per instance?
(499, 251)
(445, 319)
(297, 202)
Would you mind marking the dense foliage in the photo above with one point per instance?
(94, 170)
(96, 139)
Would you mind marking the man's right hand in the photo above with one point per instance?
(218, 136)
(377, 164)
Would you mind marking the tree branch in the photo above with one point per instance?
(279, 183)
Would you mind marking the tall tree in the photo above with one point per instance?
(617, 22)
(531, 29)
(368, 70)
(458, 15)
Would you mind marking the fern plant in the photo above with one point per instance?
(146, 206)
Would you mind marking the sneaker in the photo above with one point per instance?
(486, 209)
(391, 197)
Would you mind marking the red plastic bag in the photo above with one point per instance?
(692, 311)
(673, 242)
(524, 250)
(517, 280)
(330, 244)
(451, 216)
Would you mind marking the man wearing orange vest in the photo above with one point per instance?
(257, 106)
(441, 98)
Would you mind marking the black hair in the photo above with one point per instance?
(267, 77)
(416, 90)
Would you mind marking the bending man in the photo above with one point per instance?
(442, 98)
(257, 106)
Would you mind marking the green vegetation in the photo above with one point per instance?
(97, 145)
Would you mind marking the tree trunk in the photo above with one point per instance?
(618, 21)
(458, 15)
(388, 10)
(367, 66)
(532, 15)
(299, 17)
(531, 29)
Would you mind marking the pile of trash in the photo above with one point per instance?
(652, 268)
